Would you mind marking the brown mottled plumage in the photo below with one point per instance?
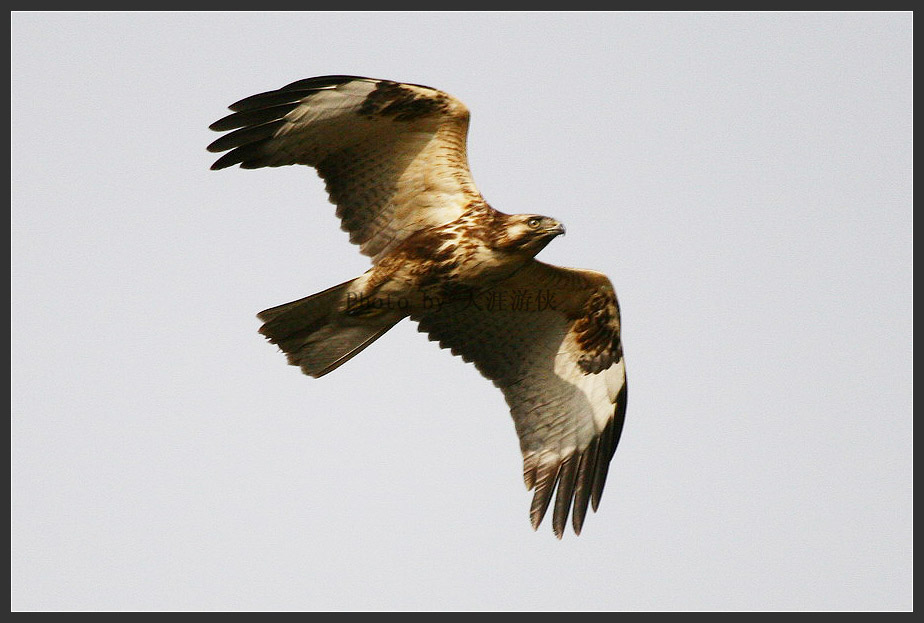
(393, 158)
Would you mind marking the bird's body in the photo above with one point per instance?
(393, 158)
(439, 264)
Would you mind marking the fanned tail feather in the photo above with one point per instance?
(316, 333)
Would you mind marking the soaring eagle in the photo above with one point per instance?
(393, 157)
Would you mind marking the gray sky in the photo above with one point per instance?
(744, 179)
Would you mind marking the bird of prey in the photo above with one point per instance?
(393, 158)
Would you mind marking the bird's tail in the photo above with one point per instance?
(321, 332)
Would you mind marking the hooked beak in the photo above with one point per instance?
(557, 229)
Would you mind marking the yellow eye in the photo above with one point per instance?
(533, 222)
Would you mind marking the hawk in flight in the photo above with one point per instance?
(393, 157)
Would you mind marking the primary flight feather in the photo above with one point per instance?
(393, 158)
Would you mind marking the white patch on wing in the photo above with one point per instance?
(615, 378)
(591, 391)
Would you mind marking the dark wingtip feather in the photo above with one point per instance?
(566, 479)
(290, 93)
(545, 487)
(320, 82)
(585, 472)
(253, 117)
(603, 465)
(269, 99)
(249, 156)
(230, 159)
(246, 136)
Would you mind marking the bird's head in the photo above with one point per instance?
(529, 233)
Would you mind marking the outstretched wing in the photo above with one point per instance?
(549, 338)
(392, 155)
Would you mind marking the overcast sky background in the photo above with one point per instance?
(744, 179)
